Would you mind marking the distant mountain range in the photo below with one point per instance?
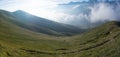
(38, 24)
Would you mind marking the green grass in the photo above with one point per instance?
(15, 41)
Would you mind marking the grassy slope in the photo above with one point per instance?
(15, 41)
(102, 41)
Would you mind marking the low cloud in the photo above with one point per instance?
(99, 13)
(104, 12)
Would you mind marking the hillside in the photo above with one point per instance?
(43, 25)
(19, 41)
(14, 38)
(102, 41)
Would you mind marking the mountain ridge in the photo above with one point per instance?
(42, 25)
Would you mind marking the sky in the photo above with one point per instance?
(49, 9)
(42, 8)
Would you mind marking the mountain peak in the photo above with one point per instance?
(23, 13)
(20, 11)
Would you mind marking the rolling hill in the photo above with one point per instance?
(41, 25)
(46, 26)
(17, 39)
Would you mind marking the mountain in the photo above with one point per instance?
(41, 25)
(17, 41)
(45, 26)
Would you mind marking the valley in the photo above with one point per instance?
(20, 37)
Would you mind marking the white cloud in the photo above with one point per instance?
(103, 12)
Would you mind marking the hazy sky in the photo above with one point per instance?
(42, 8)
(49, 9)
